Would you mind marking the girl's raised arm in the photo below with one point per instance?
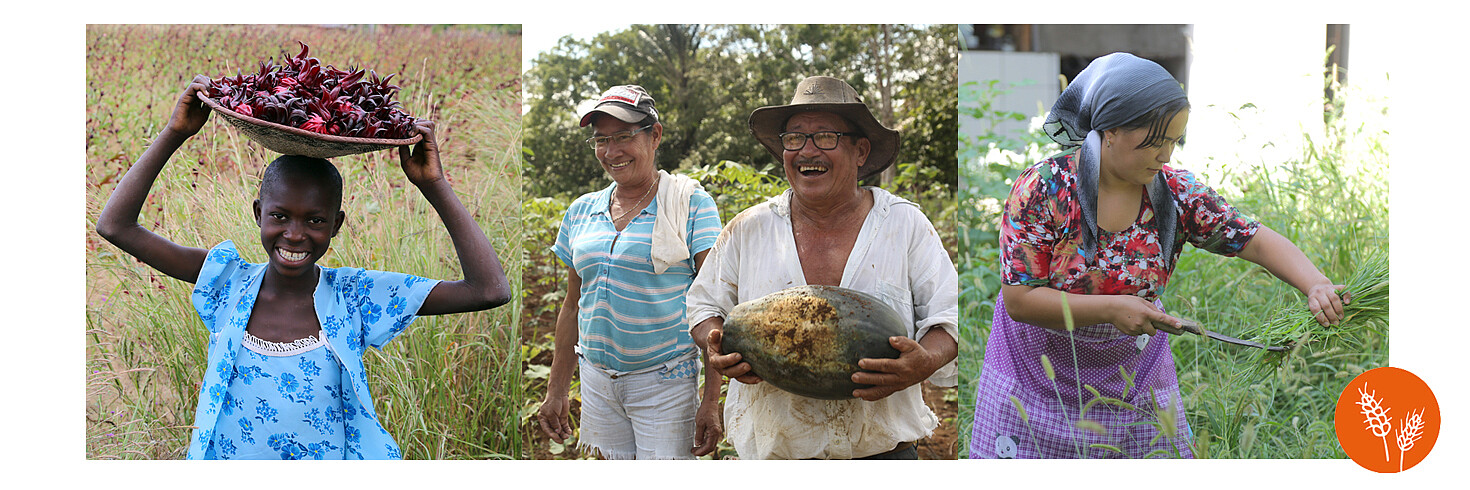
(484, 285)
(119, 220)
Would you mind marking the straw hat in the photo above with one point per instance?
(827, 94)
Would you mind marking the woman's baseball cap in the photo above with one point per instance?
(628, 103)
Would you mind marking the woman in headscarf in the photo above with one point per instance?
(1100, 228)
(631, 252)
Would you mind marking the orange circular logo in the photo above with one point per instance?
(1387, 420)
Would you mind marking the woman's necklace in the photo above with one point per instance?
(636, 206)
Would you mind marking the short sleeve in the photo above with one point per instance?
(386, 302)
(563, 246)
(1208, 221)
(223, 269)
(713, 292)
(704, 222)
(1028, 229)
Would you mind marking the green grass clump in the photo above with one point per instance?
(1365, 319)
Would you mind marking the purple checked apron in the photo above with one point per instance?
(1143, 392)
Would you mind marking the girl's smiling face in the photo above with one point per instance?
(298, 217)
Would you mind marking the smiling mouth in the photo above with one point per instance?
(290, 256)
(620, 165)
(811, 170)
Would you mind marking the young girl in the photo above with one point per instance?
(285, 378)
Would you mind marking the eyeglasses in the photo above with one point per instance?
(620, 137)
(825, 140)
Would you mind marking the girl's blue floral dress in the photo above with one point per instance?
(315, 403)
(281, 404)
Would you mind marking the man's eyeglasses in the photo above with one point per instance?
(825, 140)
(620, 137)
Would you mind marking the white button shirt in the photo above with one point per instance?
(899, 258)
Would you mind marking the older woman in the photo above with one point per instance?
(1100, 228)
(631, 251)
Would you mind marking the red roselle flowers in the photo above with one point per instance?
(304, 93)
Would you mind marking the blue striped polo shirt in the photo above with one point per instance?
(628, 317)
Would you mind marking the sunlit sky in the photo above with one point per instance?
(536, 39)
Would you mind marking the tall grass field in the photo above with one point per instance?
(447, 388)
(1330, 198)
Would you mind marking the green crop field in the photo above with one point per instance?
(450, 386)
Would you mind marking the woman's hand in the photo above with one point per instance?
(1277, 254)
(422, 164)
(1133, 315)
(1325, 304)
(190, 113)
(556, 420)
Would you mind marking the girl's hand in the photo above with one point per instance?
(190, 114)
(422, 164)
(1133, 315)
(1326, 306)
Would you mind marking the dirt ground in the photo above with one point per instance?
(942, 445)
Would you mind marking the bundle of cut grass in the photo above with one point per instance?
(1365, 320)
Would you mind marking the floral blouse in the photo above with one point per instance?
(1041, 234)
(284, 401)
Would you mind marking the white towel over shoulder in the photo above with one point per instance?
(671, 226)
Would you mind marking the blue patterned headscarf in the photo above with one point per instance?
(1112, 91)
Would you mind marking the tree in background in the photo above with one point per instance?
(708, 78)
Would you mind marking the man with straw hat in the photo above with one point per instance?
(829, 230)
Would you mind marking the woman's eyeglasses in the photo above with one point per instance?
(620, 137)
(825, 140)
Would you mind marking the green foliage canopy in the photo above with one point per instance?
(707, 79)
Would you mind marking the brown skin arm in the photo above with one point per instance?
(1287, 262)
(709, 420)
(917, 360)
(1042, 306)
(118, 222)
(554, 414)
(484, 285)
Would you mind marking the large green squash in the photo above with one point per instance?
(807, 340)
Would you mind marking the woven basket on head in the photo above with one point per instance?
(287, 140)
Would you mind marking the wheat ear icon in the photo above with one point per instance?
(1410, 429)
(1377, 416)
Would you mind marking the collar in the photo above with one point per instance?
(883, 201)
(602, 198)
